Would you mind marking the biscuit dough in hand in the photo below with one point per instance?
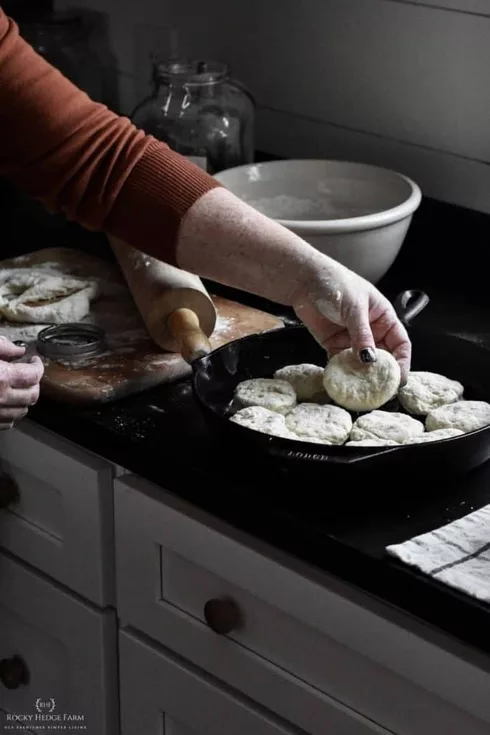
(359, 386)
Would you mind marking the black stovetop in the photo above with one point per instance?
(161, 435)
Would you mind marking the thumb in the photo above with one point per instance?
(8, 350)
(360, 334)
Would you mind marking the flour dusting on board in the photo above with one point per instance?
(131, 361)
(223, 326)
(114, 310)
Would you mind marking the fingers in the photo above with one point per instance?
(19, 385)
(35, 360)
(398, 343)
(360, 332)
(364, 329)
(22, 374)
(9, 351)
(22, 397)
(9, 415)
(19, 389)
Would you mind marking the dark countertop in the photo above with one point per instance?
(161, 435)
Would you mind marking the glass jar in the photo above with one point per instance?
(201, 113)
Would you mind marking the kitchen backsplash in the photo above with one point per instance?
(401, 83)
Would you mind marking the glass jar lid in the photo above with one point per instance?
(195, 73)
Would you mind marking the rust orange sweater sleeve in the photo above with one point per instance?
(79, 158)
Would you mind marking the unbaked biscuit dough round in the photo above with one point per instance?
(464, 415)
(372, 443)
(434, 436)
(330, 424)
(276, 395)
(307, 381)
(262, 420)
(359, 386)
(423, 392)
(386, 425)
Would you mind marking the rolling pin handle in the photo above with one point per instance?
(183, 324)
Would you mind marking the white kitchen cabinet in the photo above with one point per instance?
(58, 655)
(304, 649)
(160, 694)
(61, 520)
(219, 633)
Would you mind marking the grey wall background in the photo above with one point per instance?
(400, 83)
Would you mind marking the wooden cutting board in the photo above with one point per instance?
(132, 362)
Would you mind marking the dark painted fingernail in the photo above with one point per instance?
(368, 355)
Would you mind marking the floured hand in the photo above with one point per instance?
(343, 310)
(19, 383)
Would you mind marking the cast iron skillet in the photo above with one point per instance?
(216, 375)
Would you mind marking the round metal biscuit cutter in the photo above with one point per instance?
(71, 341)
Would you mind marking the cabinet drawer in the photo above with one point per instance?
(62, 519)
(162, 695)
(58, 656)
(302, 650)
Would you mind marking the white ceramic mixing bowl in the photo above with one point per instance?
(356, 213)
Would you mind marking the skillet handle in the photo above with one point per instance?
(408, 304)
(183, 324)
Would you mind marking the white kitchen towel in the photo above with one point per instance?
(457, 554)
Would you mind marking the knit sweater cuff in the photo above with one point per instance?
(156, 195)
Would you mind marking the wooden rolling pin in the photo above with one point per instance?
(174, 305)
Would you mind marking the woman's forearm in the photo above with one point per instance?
(226, 240)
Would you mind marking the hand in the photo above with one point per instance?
(19, 383)
(343, 310)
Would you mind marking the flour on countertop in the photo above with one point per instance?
(223, 325)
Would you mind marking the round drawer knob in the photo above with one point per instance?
(9, 492)
(13, 672)
(223, 615)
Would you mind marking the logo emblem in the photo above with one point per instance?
(45, 706)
